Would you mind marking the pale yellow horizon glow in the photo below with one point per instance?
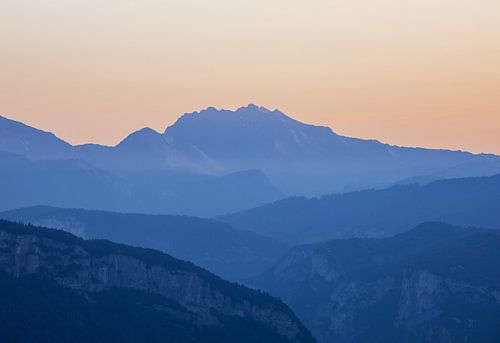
(406, 72)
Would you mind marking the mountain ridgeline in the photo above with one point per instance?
(307, 159)
(374, 213)
(59, 288)
(26, 182)
(18, 138)
(216, 246)
(78, 183)
(265, 154)
(435, 283)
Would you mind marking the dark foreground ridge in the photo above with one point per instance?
(57, 287)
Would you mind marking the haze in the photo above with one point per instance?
(416, 73)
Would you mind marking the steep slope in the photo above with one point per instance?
(156, 297)
(372, 213)
(18, 138)
(230, 253)
(436, 283)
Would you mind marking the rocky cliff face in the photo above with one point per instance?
(95, 266)
(434, 284)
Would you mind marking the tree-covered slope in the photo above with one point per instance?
(57, 287)
(371, 213)
(435, 283)
(230, 253)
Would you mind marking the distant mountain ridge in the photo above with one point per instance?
(65, 182)
(307, 159)
(77, 183)
(300, 159)
(254, 132)
(19, 138)
(471, 201)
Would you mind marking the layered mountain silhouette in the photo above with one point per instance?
(77, 183)
(188, 193)
(435, 283)
(60, 288)
(18, 138)
(258, 173)
(293, 158)
(216, 246)
(138, 175)
(374, 213)
(299, 158)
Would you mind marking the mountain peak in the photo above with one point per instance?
(211, 110)
(146, 131)
(251, 132)
(145, 135)
(246, 116)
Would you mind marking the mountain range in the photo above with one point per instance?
(349, 233)
(271, 153)
(78, 183)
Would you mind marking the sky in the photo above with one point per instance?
(406, 72)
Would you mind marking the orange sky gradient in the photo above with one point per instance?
(406, 72)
